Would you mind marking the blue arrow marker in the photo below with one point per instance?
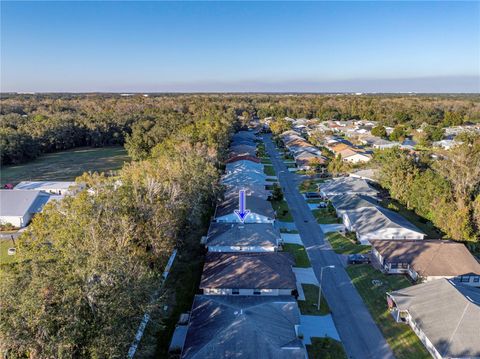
(241, 213)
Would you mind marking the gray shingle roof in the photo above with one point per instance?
(244, 327)
(236, 234)
(448, 313)
(17, 202)
(248, 271)
(253, 203)
(429, 257)
(371, 219)
(349, 202)
(347, 185)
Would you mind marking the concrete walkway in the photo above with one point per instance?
(291, 238)
(312, 206)
(304, 276)
(286, 225)
(317, 326)
(334, 227)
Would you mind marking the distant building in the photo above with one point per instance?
(52, 187)
(17, 207)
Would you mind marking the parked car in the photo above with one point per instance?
(312, 195)
(358, 259)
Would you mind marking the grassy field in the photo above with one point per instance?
(309, 185)
(426, 226)
(282, 210)
(269, 170)
(309, 305)
(326, 348)
(344, 245)
(403, 341)
(4, 257)
(298, 251)
(66, 165)
(324, 216)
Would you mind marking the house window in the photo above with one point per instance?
(476, 279)
(465, 278)
(257, 292)
(236, 291)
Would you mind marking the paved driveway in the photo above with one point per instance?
(286, 225)
(360, 335)
(317, 326)
(291, 238)
(334, 227)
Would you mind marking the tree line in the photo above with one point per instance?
(87, 266)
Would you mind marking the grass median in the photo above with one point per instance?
(344, 245)
(299, 253)
(309, 305)
(326, 348)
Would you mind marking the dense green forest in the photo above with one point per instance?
(35, 124)
(87, 267)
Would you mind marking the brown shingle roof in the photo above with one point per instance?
(429, 257)
(248, 271)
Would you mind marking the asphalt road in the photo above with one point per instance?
(359, 334)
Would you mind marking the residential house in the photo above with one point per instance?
(352, 202)
(445, 316)
(244, 166)
(378, 143)
(240, 237)
(445, 144)
(379, 223)
(370, 175)
(244, 179)
(234, 159)
(428, 260)
(244, 327)
(261, 210)
(17, 207)
(243, 150)
(346, 185)
(248, 274)
(250, 190)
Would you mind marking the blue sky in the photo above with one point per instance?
(232, 46)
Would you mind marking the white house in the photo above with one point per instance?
(52, 187)
(17, 207)
(261, 210)
(239, 237)
(347, 185)
(379, 223)
(244, 165)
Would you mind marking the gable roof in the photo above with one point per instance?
(347, 185)
(349, 202)
(243, 150)
(429, 257)
(447, 312)
(237, 234)
(255, 190)
(17, 203)
(243, 157)
(248, 271)
(243, 327)
(253, 203)
(372, 219)
(244, 178)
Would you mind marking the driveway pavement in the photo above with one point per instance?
(334, 227)
(291, 238)
(286, 225)
(317, 326)
(360, 335)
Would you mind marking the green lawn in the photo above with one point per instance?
(424, 225)
(309, 185)
(269, 171)
(326, 348)
(298, 251)
(66, 165)
(344, 245)
(4, 257)
(282, 211)
(266, 161)
(290, 165)
(403, 341)
(309, 305)
(324, 216)
(314, 200)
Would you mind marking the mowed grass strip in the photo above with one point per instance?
(324, 216)
(403, 341)
(66, 165)
(282, 211)
(326, 348)
(269, 170)
(299, 253)
(344, 245)
(309, 305)
(4, 257)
